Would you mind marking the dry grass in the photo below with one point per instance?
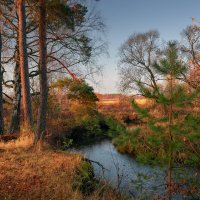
(109, 102)
(27, 174)
(21, 142)
(42, 175)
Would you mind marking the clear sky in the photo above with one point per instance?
(124, 17)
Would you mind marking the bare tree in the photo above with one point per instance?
(137, 55)
(11, 56)
(190, 47)
(15, 120)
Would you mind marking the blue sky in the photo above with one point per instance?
(125, 17)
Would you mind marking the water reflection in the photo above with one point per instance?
(122, 171)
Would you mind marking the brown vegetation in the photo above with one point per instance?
(115, 105)
(48, 174)
(45, 175)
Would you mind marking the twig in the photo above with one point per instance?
(98, 163)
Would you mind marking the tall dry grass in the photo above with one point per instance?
(43, 175)
(48, 174)
(21, 142)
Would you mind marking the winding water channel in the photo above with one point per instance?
(123, 172)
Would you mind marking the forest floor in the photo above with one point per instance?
(48, 174)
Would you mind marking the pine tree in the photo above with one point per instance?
(24, 70)
(58, 15)
(41, 123)
(175, 98)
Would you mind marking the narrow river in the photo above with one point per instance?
(123, 172)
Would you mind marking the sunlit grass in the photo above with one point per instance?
(20, 142)
(48, 174)
(44, 175)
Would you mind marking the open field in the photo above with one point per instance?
(119, 106)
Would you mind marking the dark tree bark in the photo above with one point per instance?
(1, 91)
(15, 121)
(41, 122)
(24, 72)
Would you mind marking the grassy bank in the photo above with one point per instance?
(49, 174)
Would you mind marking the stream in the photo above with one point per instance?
(123, 172)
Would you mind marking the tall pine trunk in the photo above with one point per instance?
(15, 121)
(1, 90)
(41, 122)
(24, 71)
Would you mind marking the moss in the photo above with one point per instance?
(84, 179)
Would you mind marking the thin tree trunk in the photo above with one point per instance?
(15, 121)
(41, 122)
(1, 91)
(170, 141)
(170, 166)
(24, 71)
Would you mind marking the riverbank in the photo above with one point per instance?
(122, 171)
(136, 180)
(48, 174)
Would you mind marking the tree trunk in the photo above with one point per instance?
(170, 140)
(24, 71)
(15, 121)
(41, 122)
(1, 91)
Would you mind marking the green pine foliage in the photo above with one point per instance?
(61, 14)
(82, 91)
(151, 144)
(169, 137)
(77, 90)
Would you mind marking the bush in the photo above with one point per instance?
(86, 130)
(114, 127)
